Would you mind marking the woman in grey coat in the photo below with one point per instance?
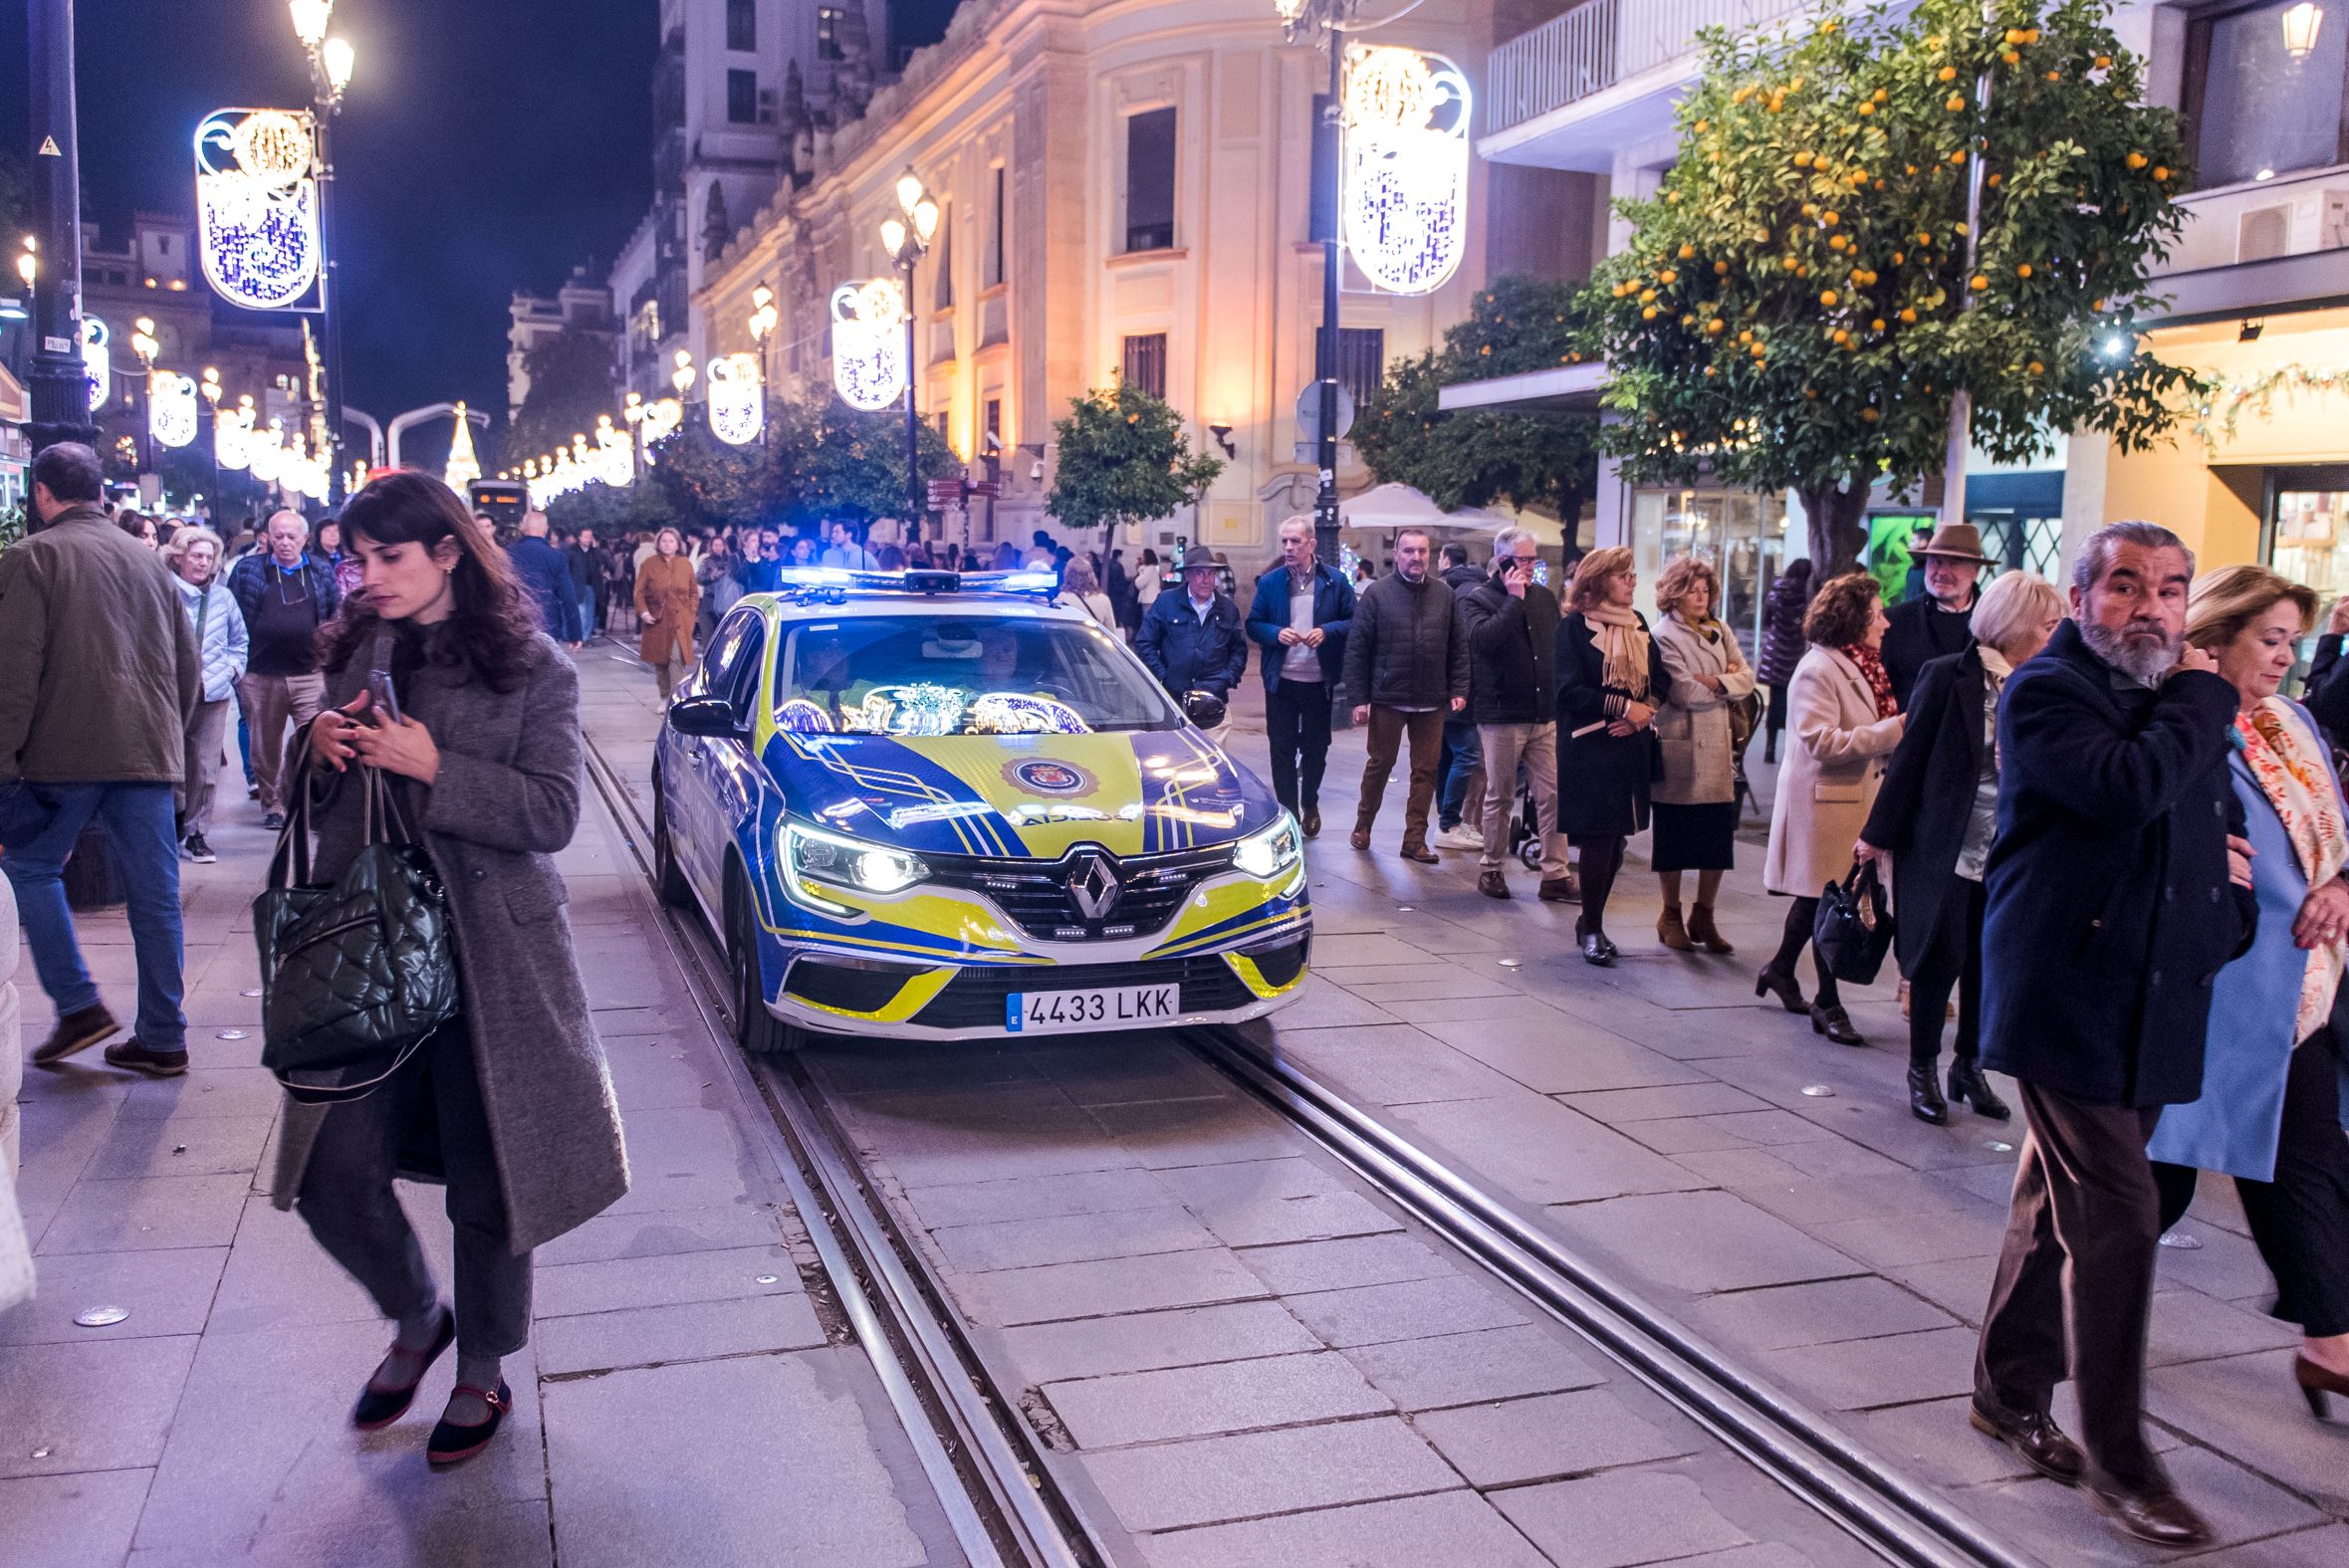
(512, 1099)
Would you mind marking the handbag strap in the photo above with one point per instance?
(290, 865)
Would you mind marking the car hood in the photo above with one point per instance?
(1133, 792)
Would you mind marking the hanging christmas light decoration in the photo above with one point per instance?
(171, 407)
(98, 359)
(463, 466)
(738, 403)
(1405, 202)
(267, 453)
(661, 419)
(232, 435)
(257, 206)
(868, 342)
(613, 464)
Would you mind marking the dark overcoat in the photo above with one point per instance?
(1925, 801)
(507, 798)
(2110, 908)
(1916, 632)
(1603, 781)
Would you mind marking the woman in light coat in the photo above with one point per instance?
(1079, 583)
(2275, 1087)
(1844, 723)
(666, 597)
(484, 765)
(194, 559)
(1696, 796)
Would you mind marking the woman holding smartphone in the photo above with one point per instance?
(483, 755)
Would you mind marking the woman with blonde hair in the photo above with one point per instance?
(1843, 721)
(668, 596)
(1079, 583)
(2270, 1110)
(1696, 795)
(222, 648)
(1610, 679)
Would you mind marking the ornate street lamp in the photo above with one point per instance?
(682, 378)
(2300, 26)
(1325, 21)
(905, 235)
(331, 62)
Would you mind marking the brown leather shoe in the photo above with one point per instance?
(2035, 1440)
(1561, 890)
(2159, 1517)
(1420, 853)
(1704, 933)
(75, 1031)
(1671, 932)
(1360, 838)
(1493, 884)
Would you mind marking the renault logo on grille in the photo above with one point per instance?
(1093, 885)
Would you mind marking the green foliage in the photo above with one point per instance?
(1537, 462)
(570, 384)
(612, 512)
(1123, 457)
(1793, 309)
(708, 483)
(848, 464)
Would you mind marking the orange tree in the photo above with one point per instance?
(1795, 309)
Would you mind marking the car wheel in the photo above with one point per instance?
(757, 1030)
(668, 879)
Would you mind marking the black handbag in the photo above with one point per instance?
(357, 973)
(1853, 928)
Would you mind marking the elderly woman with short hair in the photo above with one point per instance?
(1933, 824)
(2271, 1109)
(221, 643)
(1610, 679)
(1696, 793)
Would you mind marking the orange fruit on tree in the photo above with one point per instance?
(2024, 270)
(1954, 103)
(2137, 160)
(1948, 73)
(1687, 251)
(1979, 283)
(1827, 298)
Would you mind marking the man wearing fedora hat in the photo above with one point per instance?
(1937, 621)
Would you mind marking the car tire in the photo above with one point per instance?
(755, 1028)
(667, 876)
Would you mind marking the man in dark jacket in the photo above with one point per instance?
(285, 595)
(2118, 885)
(1192, 640)
(1406, 669)
(1940, 620)
(99, 672)
(546, 577)
(1299, 619)
(591, 568)
(1459, 770)
(1512, 627)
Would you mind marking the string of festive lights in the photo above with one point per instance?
(1405, 202)
(868, 342)
(257, 206)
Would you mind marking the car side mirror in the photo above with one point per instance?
(1203, 708)
(705, 715)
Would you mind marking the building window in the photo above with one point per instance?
(1361, 360)
(995, 228)
(2254, 110)
(1150, 180)
(742, 25)
(741, 98)
(1145, 363)
(1322, 214)
(827, 33)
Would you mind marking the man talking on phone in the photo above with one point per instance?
(1511, 624)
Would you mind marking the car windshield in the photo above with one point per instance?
(962, 675)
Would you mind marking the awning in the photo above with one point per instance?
(15, 406)
(1568, 389)
(1401, 506)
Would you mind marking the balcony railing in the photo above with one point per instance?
(1599, 43)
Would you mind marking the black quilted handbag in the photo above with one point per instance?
(357, 973)
(1853, 928)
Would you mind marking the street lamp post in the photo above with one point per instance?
(332, 61)
(60, 384)
(145, 345)
(764, 320)
(1326, 19)
(907, 238)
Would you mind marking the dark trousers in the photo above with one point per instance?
(1955, 960)
(1464, 753)
(2300, 1219)
(346, 1197)
(1802, 918)
(1297, 723)
(2081, 1238)
(1774, 719)
(1388, 727)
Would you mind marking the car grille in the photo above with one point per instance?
(1034, 894)
(974, 998)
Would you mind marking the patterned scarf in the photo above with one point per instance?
(1995, 670)
(1623, 643)
(1879, 683)
(2293, 771)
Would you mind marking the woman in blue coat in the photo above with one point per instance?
(2273, 1097)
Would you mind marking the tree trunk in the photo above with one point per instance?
(1838, 529)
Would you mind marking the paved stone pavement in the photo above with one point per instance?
(685, 1398)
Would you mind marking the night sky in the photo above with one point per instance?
(484, 146)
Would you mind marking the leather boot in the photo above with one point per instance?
(1672, 933)
(1967, 1085)
(1705, 933)
(1924, 1094)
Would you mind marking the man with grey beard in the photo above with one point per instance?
(2118, 885)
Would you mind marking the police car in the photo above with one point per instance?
(930, 806)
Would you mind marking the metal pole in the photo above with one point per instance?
(330, 315)
(1326, 344)
(1961, 437)
(58, 384)
(913, 439)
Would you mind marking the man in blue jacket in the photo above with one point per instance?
(1299, 619)
(2118, 886)
(1192, 640)
(546, 577)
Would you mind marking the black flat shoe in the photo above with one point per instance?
(1835, 1023)
(1925, 1096)
(451, 1443)
(380, 1408)
(1776, 983)
(1967, 1085)
(1597, 950)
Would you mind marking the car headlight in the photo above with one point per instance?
(812, 855)
(1267, 852)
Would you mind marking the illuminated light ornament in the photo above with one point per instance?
(868, 342)
(232, 437)
(464, 466)
(97, 359)
(266, 454)
(614, 464)
(1405, 202)
(171, 407)
(257, 206)
(738, 403)
(661, 420)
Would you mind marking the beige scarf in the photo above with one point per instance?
(2294, 772)
(1623, 643)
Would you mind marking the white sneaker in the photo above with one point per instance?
(1462, 836)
